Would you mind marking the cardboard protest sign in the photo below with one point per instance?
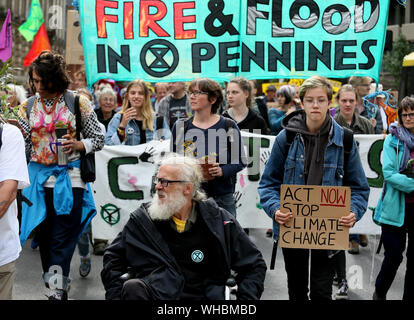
(181, 40)
(316, 212)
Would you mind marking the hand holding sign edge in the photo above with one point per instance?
(283, 217)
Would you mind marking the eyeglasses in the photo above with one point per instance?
(406, 115)
(197, 93)
(320, 102)
(165, 182)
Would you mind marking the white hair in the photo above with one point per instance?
(189, 171)
(19, 91)
(105, 91)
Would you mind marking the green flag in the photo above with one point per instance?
(34, 21)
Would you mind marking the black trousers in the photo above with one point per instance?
(340, 265)
(135, 289)
(394, 241)
(322, 272)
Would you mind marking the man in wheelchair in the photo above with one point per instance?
(181, 246)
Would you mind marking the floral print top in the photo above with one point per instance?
(40, 128)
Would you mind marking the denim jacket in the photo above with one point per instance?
(133, 133)
(279, 171)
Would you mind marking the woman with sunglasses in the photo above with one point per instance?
(395, 208)
(213, 139)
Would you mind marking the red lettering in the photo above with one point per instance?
(149, 21)
(102, 18)
(180, 19)
(341, 198)
(323, 195)
(128, 20)
(331, 197)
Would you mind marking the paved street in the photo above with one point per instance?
(362, 270)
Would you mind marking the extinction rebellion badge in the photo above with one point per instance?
(197, 256)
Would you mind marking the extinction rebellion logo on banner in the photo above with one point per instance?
(181, 40)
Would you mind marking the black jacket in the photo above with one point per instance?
(251, 122)
(141, 247)
(101, 118)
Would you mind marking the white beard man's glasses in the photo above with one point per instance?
(165, 182)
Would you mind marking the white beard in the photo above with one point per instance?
(164, 211)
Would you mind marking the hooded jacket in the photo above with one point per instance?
(390, 209)
(141, 247)
(251, 122)
(289, 168)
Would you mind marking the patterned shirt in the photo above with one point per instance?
(40, 133)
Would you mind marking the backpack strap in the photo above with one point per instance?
(29, 105)
(290, 135)
(159, 122)
(1, 134)
(348, 142)
(69, 97)
(78, 117)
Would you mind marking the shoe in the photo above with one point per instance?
(85, 266)
(363, 240)
(353, 247)
(376, 296)
(342, 293)
(336, 281)
(58, 294)
(99, 249)
(269, 233)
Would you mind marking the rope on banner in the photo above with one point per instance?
(370, 105)
(75, 3)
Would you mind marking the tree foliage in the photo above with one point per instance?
(393, 59)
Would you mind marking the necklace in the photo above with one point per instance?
(49, 115)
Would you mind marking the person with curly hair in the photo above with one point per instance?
(62, 202)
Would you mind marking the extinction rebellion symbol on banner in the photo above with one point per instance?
(110, 214)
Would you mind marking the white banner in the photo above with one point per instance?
(124, 181)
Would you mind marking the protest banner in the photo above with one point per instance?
(316, 213)
(181, 40)
(124, 181)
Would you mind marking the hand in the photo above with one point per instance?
(129, 114)
(282, 218)
(215, 170)
(71, 144)
(348, 221)
(374, 122)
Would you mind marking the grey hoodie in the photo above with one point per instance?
(315, 144)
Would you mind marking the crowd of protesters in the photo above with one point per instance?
(309, 123)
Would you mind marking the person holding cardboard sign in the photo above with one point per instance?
(310, 151)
